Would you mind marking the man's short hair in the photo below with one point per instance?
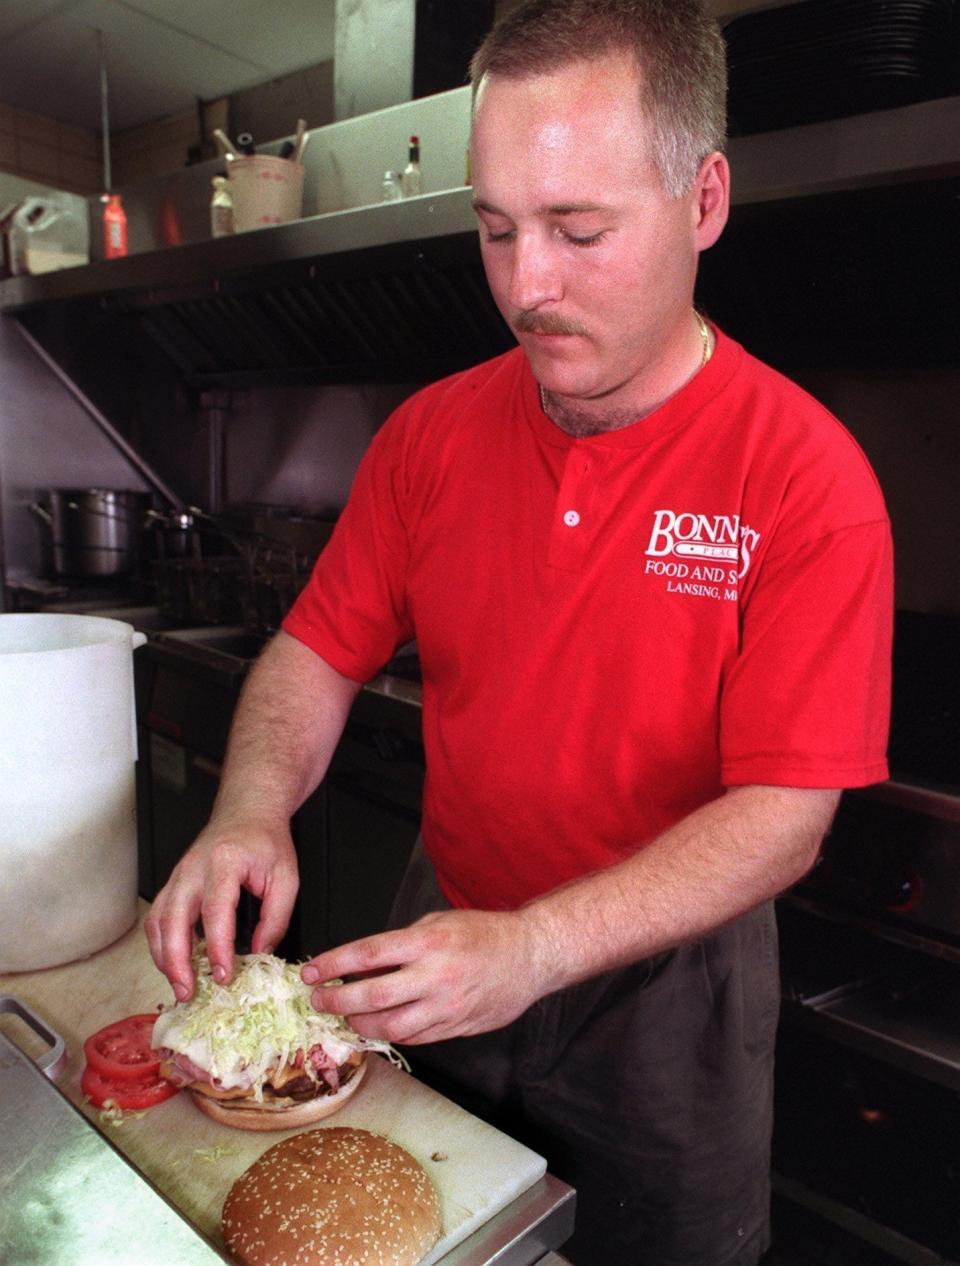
(678, 48)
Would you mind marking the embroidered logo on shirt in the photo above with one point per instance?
(705, 555)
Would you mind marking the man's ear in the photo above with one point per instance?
(711, 203)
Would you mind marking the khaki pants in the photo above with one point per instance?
(649, 1089)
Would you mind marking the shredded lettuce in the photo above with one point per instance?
(258, 1022)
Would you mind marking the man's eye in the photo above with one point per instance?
(505, 235)
(588, 239)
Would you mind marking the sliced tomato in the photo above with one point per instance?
(127, 1095)
(121, 1051)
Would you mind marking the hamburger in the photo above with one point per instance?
(332, 1195)
(254, 1054)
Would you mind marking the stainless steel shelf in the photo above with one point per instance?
(884, 147)
(922, 1041)
(198, 263)
(910, 143)
(890, 1242)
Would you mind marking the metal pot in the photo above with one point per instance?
(91, 532)
(176, 533)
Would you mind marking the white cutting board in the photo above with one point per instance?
(482, 1170)
(194, 1160)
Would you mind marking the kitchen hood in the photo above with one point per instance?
(381, 292)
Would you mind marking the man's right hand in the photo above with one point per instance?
(206, 884)
(288, 720)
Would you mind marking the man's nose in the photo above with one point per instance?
(534, 275)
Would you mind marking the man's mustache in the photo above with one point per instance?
(526, 322)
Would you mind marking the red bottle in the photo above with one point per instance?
(114, 227)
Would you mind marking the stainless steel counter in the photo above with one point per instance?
(67, 1195)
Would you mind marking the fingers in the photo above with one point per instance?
(371, 954)
(219, 915)
(169, 928)
(279, 899)
(410, 1025)
(392, 978)
(370, 995)
(206, 884)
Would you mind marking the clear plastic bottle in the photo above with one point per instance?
(391, 191)
(221, 208)
(411, 182)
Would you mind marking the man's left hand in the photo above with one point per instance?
(450, 974)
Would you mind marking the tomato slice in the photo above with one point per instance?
(121, 1051)
(129, 1096)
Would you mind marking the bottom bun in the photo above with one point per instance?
(244, 1114)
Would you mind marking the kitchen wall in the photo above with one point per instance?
(53, 154)
(906, 422)
(300, 446)
(267, 111)
(46, 440)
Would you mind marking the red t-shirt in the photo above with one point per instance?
(612, 629)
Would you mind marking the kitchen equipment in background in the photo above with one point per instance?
(41, 234)
(253, 562)
(411, 178)
(53, 1059)
(826, 59)
(265, 190)
(221, 208)
(115, 244)
(114, 218)
(91, 532)
(68, 748)
(176, 533)
(868, 1085)
(201, 590)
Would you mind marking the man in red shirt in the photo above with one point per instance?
(650, 584)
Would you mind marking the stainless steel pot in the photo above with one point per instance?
(176, 533)
(91, 532)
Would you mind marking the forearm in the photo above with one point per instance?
(717, 863)
(288, 721)
(458, 972)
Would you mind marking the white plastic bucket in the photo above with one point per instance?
(265, 190)
(68, 747)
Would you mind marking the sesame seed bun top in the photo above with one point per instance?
(332, 1195)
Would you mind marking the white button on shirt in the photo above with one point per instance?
(571, 518)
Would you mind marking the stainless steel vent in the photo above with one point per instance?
(413, 314)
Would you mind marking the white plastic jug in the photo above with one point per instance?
(49, 232)
(68, 747)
